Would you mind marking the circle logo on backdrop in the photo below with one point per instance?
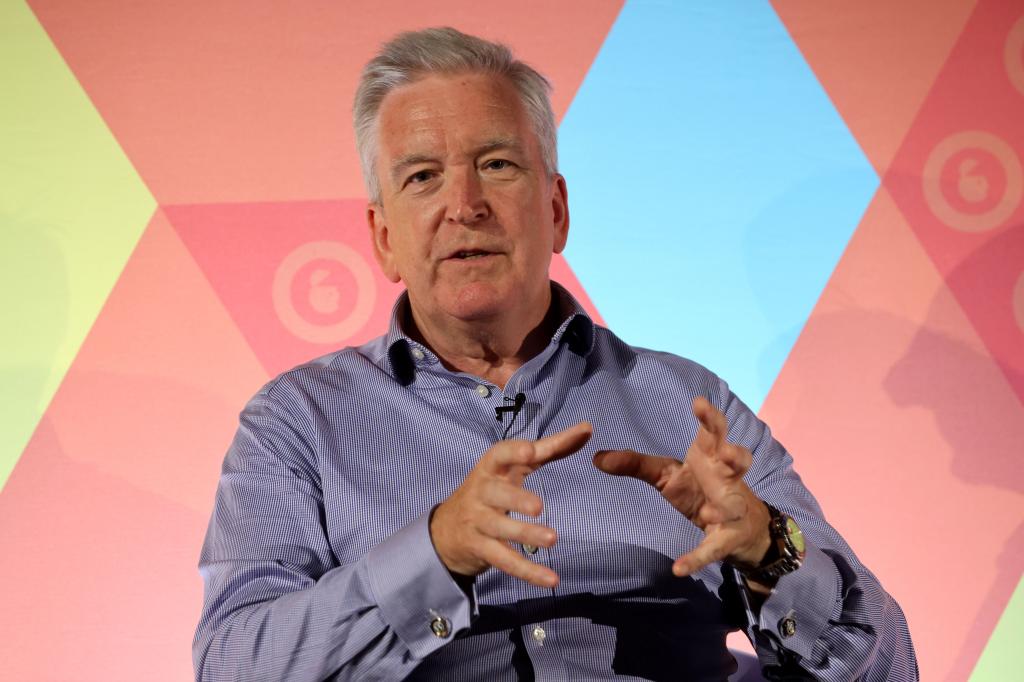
(1013, 55)
(324, 292)
(972, 181)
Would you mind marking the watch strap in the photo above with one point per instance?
(783, 556)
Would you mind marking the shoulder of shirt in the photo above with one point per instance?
(336, 367)
(610, 349)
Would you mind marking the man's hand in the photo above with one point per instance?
(471, 529)
(708, 488)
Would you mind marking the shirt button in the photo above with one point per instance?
(538, 634)
(417, 353)
(530, 549)
(787, 626)
(483, 391)
(440, 627)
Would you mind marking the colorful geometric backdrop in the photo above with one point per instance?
(824, 198)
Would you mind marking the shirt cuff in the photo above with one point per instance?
(798, 610)
(416, 594)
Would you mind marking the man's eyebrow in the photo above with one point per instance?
(498, 144)
(408, 160)
(494, 145)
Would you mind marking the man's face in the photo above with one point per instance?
(468, 217)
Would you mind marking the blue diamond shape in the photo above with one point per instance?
(712, 186)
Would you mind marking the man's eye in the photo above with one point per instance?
(418, 177)
(498, 164)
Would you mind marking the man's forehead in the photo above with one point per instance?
(428, 147)
(495, 86)
(472, 110)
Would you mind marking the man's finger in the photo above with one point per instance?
(505, 559)
(711, 417)
(507, 529)
(508, 453)
(531, 455)
(649, 468)
(502, 495)
(714, 547)
(736, 457)
(561, 444)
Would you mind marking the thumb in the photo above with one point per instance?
(647, 468)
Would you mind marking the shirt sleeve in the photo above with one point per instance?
(277, 606)
(830, 619)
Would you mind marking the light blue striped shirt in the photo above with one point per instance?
(318, 563)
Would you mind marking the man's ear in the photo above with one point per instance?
(560, 213)
(381, 238)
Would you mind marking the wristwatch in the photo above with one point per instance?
(786, 552)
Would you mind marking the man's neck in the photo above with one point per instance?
(490, 349)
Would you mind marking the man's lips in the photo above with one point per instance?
(470, 254)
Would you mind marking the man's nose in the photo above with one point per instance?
(466, 201)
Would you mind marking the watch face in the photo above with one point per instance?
(796, 536)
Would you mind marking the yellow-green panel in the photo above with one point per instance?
(71, 210)
(1001, 659)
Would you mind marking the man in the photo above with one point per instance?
(375, 520)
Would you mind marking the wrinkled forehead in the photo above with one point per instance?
(460, 111)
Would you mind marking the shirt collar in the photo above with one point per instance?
(405, 355)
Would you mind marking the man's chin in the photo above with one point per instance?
(481, 302)
(477, 311)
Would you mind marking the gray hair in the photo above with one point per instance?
(410, 56)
